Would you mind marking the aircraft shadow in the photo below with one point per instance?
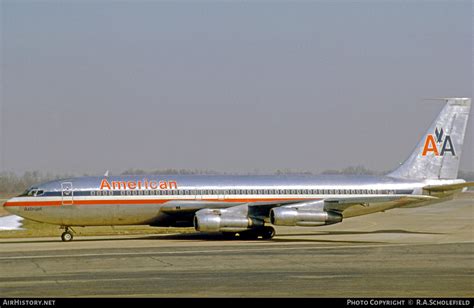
(219, 237)
(322, 233)
(316, 238)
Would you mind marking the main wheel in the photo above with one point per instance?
(267, 233)
(67, 236)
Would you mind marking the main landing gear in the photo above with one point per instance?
(67, 235)
(265, 233)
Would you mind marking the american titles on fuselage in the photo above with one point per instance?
(140, 184)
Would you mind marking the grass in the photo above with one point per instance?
(37, 229)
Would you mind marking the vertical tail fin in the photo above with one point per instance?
(438, 153)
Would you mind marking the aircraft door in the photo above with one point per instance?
(67, 194)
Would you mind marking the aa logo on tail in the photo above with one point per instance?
(438, 143)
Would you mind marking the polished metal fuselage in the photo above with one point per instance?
(89, 201)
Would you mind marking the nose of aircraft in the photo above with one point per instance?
(5, 206)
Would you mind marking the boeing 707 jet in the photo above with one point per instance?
(248, 205)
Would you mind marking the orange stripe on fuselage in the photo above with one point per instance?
(143, 201)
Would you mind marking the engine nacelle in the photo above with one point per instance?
(215, 221)
(284, 216)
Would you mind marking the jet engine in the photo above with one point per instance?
(208, 220)
(286, 216)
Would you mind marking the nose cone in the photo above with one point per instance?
(8, 206)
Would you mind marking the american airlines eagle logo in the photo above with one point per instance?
(438, 144)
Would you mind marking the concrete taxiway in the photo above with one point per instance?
(424, 251)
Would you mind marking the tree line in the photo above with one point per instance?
(13, 183)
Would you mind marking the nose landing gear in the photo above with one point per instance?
(67, 235)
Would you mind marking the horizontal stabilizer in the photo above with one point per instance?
(449, 186)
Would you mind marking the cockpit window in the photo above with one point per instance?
(32, 192)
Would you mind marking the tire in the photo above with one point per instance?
(267, 233)
(67, 236)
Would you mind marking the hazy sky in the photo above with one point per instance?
(230, 86)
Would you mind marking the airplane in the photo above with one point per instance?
(245, 207)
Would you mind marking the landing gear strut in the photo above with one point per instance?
(67, 235)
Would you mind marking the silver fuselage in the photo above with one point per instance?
(172, 200)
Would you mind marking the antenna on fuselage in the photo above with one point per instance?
(106, 174)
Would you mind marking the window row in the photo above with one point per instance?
(244, 192)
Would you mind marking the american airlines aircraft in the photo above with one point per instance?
(246, 205)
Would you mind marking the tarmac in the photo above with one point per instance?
(420, 252)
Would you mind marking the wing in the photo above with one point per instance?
(341, 204)
(193, 206)
(261, 210)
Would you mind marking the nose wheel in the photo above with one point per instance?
(67, 235)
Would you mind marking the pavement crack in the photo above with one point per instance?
(39, 266)
(161, 261)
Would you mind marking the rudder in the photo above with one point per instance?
(438, 153)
